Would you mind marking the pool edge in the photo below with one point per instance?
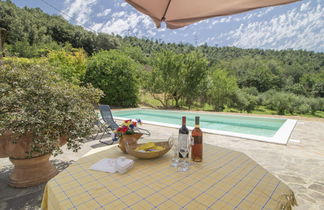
(281, 136)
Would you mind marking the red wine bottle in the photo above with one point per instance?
(183, 136)
(197, 147)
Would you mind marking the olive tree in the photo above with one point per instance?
(177, 77)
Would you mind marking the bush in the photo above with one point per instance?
(282, 102)
(303, 109)
(315, 104)
(251, 91)
(70, 65)
(244, 101)
(24, 49)
(115, 74)
(37, 102)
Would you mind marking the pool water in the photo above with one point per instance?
(257, 126)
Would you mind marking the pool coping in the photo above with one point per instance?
(281, 136)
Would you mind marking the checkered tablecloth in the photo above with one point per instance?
(224, 180)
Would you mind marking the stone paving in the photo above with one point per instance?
(300, 164)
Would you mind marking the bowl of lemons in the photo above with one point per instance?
(148, 150)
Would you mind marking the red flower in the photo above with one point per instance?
(124, 129)
(134, 123)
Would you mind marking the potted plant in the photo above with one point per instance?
(39, 112)
(128, 132)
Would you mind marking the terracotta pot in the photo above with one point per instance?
(131, 139)
(31, 172)
(21, 148)
(3, 145)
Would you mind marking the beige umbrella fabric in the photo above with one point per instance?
(179, 13)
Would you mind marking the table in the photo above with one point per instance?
(226, 179)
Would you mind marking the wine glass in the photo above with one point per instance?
(173, 141)
(184, 150)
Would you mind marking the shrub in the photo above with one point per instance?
(114, 73)
(315, 104)
(251, 91)
(35, 101)
(280, 101)
(303, 108)
(244, 101)
(70, 65)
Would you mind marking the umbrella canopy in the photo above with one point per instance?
(179, 13)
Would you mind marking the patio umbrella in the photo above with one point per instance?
(179, 13)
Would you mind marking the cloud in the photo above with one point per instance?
(123, 4)
(305, 6)
(104, 13)
(123, 23)
(79, 10)
(298, 26)
(292, 29)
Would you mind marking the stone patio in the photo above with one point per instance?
(300, 164)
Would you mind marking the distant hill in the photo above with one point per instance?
(32, 32)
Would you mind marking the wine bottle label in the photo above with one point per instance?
(183, 141)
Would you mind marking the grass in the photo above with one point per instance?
(147, 100)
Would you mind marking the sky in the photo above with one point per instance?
(298, 25)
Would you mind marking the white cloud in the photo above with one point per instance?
(123, 4)
(104, 13)
(118, 14)
(79, 10)
(292, 29)
(304, 6)
(123, 23)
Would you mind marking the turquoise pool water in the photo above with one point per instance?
(259, 126)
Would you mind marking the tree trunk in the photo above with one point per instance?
(3, 33)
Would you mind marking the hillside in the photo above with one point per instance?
(259, 73)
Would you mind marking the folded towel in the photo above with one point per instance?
(121, 165)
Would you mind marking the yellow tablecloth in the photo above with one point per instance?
(224, 180)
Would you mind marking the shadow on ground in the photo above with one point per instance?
(23, 198)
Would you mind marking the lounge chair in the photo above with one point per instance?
(102, 129)
(110, 122)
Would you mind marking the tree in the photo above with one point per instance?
(177, 76)
(114, 73)
(195, 77)
(135, 53)
(221, 89)
(106, 42)
(165, 79)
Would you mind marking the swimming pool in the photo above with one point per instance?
(272, 130)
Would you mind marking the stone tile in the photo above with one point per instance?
(307, 198)
(317, 196)
(29, 201)
(293, 179)
(317, 187)
(297, 188)
(3, 205)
